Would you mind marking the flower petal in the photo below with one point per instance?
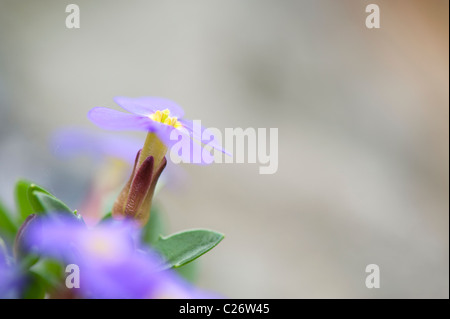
(70, 142)
(114, 120)
(188, 150)
(203, 135)
(107, 257)
(145, 106)
(163, 132)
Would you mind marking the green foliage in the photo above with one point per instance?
(43, 275)
(184, 247)
(22, 201)
(52, 271)
(44, 203)
(105, 218)
(35, 289)
(32, 198)
(8, 228)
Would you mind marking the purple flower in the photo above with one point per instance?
(161, 117)
(69, 142)
(113, 155)
(111, 263)
(11, 280)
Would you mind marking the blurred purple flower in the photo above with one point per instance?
(69, 142)
(115, 154)
(10, 277)
(160, 116)
(8, 282)
(110, 262)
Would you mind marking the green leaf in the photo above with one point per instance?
(28, 260)
(155, 228)
(51, 271)
(7, 227)
(44, 203)
(35, 287)
(105, 218)
(184, 247)
(32, 198)
(35, 204)
(21, 196)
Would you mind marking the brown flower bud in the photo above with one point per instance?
(135, 199)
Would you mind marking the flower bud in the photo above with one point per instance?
(135, 199)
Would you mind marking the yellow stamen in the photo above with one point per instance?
(101, 247)
(153, 145)
(165, 118)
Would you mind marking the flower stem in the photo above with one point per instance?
(153, 147)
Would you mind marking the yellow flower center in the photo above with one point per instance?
(100, 246)
(165, 118)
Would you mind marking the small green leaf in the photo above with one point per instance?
(32, 198)
(105, 218)
(27, 261)
(51, 271)
(21, 196)
(7, 227)
(35, 287)
(37, 188)
(44, 203)
(184, 247)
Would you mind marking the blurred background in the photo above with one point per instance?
(362, 116)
